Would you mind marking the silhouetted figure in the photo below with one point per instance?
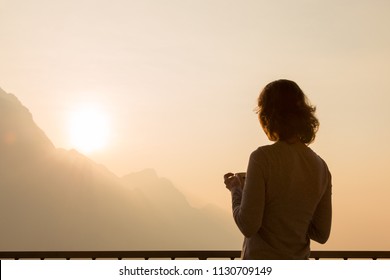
(285, 199)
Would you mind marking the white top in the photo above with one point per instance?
(285, 202)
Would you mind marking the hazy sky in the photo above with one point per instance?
(176, 82)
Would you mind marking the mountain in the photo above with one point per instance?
(54, 199)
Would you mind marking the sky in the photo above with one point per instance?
(175, 85)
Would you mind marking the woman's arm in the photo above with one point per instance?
(319, 229)
(248, 203)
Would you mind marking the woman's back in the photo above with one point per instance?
(295, 180)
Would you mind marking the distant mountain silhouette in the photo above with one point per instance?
(53, 199)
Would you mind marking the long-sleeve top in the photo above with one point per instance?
(285, 202)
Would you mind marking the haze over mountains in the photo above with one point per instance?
(54, 199)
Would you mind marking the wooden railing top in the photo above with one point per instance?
(201, 255)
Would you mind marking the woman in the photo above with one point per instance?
(285, 199)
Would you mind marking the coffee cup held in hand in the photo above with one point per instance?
(241, 177)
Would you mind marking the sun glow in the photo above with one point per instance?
(89, 129)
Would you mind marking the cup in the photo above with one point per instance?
(241, 177)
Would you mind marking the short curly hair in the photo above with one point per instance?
(284, 112)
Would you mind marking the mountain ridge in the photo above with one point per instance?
(54, 199)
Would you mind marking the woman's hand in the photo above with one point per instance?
(232, 181)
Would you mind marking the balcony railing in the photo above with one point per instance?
(201, 255)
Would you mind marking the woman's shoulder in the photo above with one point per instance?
(284, 150)
(270, 148)
(264, 151)
(320, 161)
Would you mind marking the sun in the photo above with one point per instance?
(88, 129)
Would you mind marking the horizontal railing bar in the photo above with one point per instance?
(118, 254)
(350, 254)
(234, 254)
